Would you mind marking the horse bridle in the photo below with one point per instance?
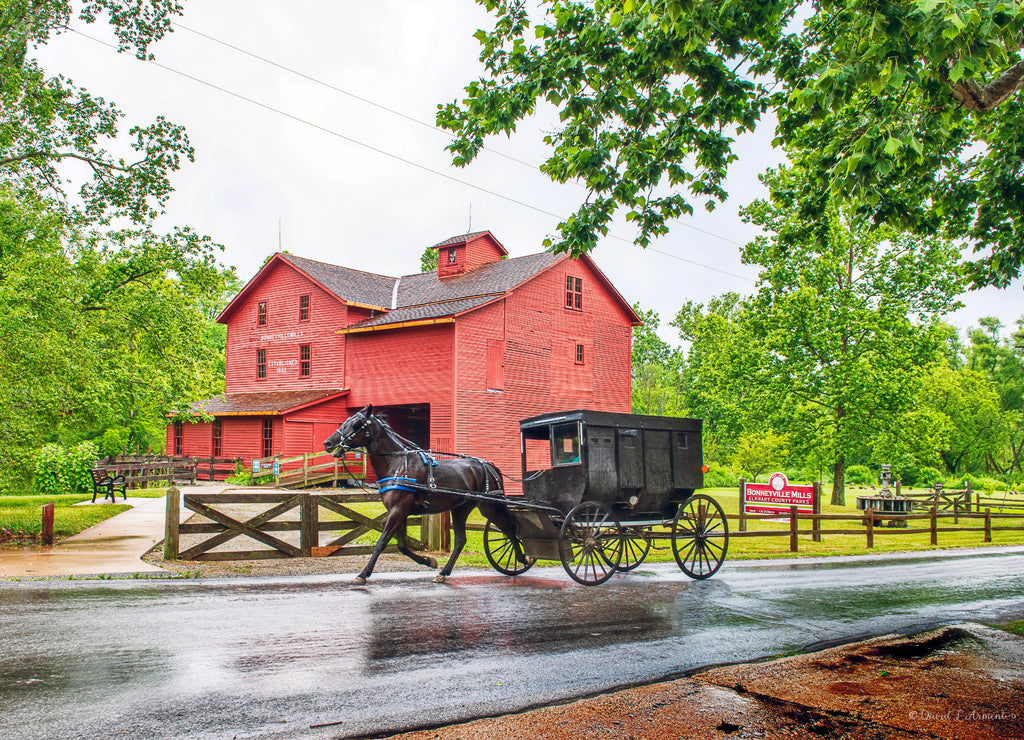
(363, 423)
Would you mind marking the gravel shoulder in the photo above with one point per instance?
(964, 681)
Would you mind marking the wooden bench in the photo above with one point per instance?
(108, 485)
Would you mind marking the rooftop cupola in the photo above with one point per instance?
(460, 254)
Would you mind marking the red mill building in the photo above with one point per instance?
(454, 358)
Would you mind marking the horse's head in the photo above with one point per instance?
(352, 434)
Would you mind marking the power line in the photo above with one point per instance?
(337, 89)
(401, 159)
(400, 114)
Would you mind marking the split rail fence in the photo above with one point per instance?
(150, 471)
(309, 469)
(940, 505)
(871, 520)
(257, 515)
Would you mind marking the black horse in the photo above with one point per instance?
(397, 462)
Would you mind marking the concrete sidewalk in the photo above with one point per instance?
(115, 545)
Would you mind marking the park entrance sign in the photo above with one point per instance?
(776, 497)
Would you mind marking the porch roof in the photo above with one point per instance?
(274, 403)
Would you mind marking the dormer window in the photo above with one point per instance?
(452, 253)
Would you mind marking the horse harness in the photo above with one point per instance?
(402, 482)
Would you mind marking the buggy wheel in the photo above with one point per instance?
(590, 543)
(501, 552)
(700, 537)
(636, 543)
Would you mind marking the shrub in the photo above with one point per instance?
(114, 441)
(860, 475)
(62, 469)
(978, 483)
(719, 476)
(929, 476)
(908, 475)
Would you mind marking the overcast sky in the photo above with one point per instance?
(339, 180)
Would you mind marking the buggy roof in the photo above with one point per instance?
(616, 421)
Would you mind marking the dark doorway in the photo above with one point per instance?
(411, 421)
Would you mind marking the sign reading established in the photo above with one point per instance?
(776, 496)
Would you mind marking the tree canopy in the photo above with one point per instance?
(58, 140)
(905, 114)
(108, 323)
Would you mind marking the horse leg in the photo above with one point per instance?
(395, 520)
(459, 516)
(403, 547)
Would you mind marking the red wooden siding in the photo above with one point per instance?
(283, 334)
(403, 367)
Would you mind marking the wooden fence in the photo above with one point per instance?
(300, 471)
(148, 471)
(871, 520)
(265, 526)
(309, 469)
(964, 499)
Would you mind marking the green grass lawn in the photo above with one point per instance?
(21, 516)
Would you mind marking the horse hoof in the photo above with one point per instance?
(440, 578)
(359, 581)
(431, 562)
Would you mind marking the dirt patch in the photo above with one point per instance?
(964, 682)
(346, 564)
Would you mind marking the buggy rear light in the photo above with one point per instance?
(704, 468)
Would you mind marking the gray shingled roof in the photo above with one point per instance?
(425, 295)
(349, 285)
(488, 279)
(460, 239)
(421, 313)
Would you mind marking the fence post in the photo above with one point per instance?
(47, 527)
(743, 505)
(794, 528)
(435, 532)
(968, 497)
(444, 543)
(869, 527)
(305, 469)
(309, 528)
(171, 523)
(935, 526)
(816, 510)
(988, 525)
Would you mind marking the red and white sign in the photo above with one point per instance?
(776, 496)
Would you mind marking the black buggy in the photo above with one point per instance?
(599, 489)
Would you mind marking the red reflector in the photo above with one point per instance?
(704, 468)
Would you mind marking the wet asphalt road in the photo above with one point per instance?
(274, 658)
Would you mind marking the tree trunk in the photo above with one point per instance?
(839, 481)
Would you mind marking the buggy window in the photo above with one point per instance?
(536, 449)
(565, 444)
